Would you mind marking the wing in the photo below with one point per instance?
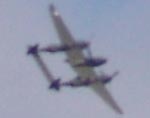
(76, 55)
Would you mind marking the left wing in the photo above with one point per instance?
(75, 55)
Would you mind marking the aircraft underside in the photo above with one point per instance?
(83, 66)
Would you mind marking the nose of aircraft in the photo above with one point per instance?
(103, 60)
(115, 73)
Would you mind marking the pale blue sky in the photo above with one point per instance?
(117, 30)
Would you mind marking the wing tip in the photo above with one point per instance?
(53, 10)
(118, 110)
(52, 7)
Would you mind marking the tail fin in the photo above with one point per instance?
(33, 49)
(55, 84)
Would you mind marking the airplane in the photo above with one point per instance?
(86, 74)
(76, 82)
(55, 83)
(75, 55)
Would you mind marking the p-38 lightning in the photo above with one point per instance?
(81, 64)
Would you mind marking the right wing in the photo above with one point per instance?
(75, 55)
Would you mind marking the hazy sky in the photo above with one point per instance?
(118, 30)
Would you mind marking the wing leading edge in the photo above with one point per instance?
(76, 55)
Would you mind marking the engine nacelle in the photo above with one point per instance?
(92, 62)
(107, 78)
(61, 48)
